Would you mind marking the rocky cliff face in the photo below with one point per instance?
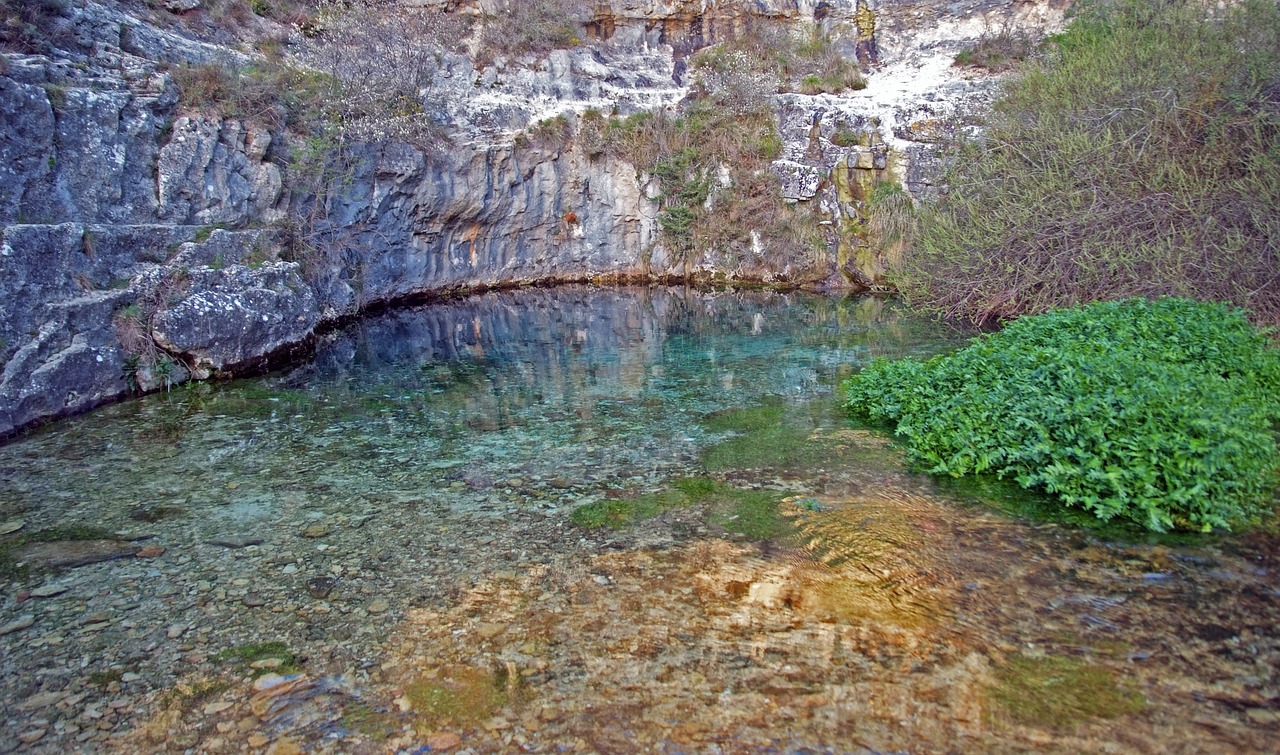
(137, 247)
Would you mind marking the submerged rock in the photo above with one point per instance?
(71, 553)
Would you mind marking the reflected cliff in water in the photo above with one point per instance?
(573, 348)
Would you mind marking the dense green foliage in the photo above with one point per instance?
(1160, 412)
(1138, 154)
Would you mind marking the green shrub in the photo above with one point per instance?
(703, 219)
(1135, 156)
(1159, 412)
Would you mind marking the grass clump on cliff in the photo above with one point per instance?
(524, 27)
(32, 26)
(998, 50)
(719, 205)
(1136, 155)
(769, 57)
(1160, 412)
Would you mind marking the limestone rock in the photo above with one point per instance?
(231, 317)
(215, 171)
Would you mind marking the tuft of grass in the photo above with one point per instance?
(847, 137)
(204, 232)
(892, 222)
(1057, 692)
(550, 134)
(33, 26)
(532, 27)
(998, 51)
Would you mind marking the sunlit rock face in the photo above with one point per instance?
(104, 178)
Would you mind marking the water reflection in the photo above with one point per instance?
(595, 383)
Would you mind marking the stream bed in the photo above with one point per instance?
(593, 520)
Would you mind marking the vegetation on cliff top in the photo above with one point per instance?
(1159, 412)
(1135, 156)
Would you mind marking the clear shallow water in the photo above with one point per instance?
(395, 515)
(582, 385)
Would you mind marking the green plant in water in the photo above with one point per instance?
(774, 436)
(765, 415)
(1059, 692)
(251, 653)
(461, 695)
(753, 513)
(378, 725)
(620, 513)
(1160, 412)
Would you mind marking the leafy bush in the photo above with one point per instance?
(1156, 411)
(1136, 156)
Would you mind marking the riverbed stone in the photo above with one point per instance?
(72, 553)
(49, 590)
